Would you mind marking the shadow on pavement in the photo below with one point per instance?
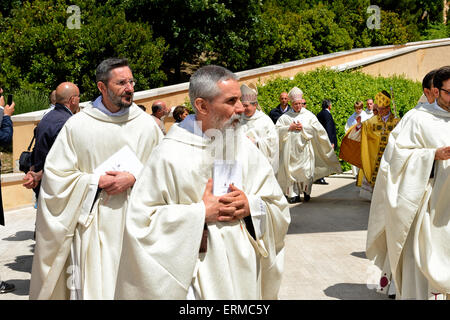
(20, 236)
(360, 254)
(353, 291)
(336, 211)
(21, 263)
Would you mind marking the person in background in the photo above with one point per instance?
(159, 112)
(326, 120)
(67, 97)
(306, 153)
(6, 133)
(281, 109)
(179, 113)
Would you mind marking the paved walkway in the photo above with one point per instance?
(325, 246)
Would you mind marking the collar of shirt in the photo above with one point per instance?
(100, 106)
(285, 110)
(437, 106)
(386, 117)
(190, 124)
(62, 106)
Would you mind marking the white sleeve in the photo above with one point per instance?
(258, 213)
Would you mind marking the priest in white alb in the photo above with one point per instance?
(89, 173)
(306, 154)
(258, 126)
(206, 219)
(409, 227)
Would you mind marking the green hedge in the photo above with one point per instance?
(343, 89)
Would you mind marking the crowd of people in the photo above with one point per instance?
(126, 210)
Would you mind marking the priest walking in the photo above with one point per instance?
(258, 126)
(81, 209)
(409, 215)
(193, 237)
(306, 153)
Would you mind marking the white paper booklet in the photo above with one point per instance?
(123, 160)
(224, 174)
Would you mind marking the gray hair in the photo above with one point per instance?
(104, 68)
(203, 83)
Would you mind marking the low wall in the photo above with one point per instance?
(413, 60)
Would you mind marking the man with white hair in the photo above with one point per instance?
(306, 153)
(198, 238)
(258, 126)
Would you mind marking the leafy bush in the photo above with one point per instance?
(343, 89)
(28, 100)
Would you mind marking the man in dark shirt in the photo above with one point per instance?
(67, 104)
(6, 133)
(279, 110)
(326, 120)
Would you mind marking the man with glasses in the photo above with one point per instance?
(306, 154)
(409, 215)
(88, 175)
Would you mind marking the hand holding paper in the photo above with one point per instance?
(115, 182)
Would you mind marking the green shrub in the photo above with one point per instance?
(28, 100)
(343, 89)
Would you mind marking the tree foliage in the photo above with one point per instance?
(166, 41)
(38, 50)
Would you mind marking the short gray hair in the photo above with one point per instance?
(203, 83)
(104, 68)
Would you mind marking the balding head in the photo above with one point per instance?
(159, 109)
(68, 94)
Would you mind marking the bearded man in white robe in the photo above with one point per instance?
(409, 216)
(81, 210)
(306, 154)
(258, 126)
(197, 238)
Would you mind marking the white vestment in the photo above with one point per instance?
(261, 129)
(352, 119)
(305, 155)
(75, 236)
(165, 220)
(409, 215)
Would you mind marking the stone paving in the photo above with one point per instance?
(324, 259)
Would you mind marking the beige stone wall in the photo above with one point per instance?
(414, 65)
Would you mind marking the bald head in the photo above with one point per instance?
(159, 109)
(68, 94)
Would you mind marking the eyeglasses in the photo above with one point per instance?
(124, 83)
(448, 92)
